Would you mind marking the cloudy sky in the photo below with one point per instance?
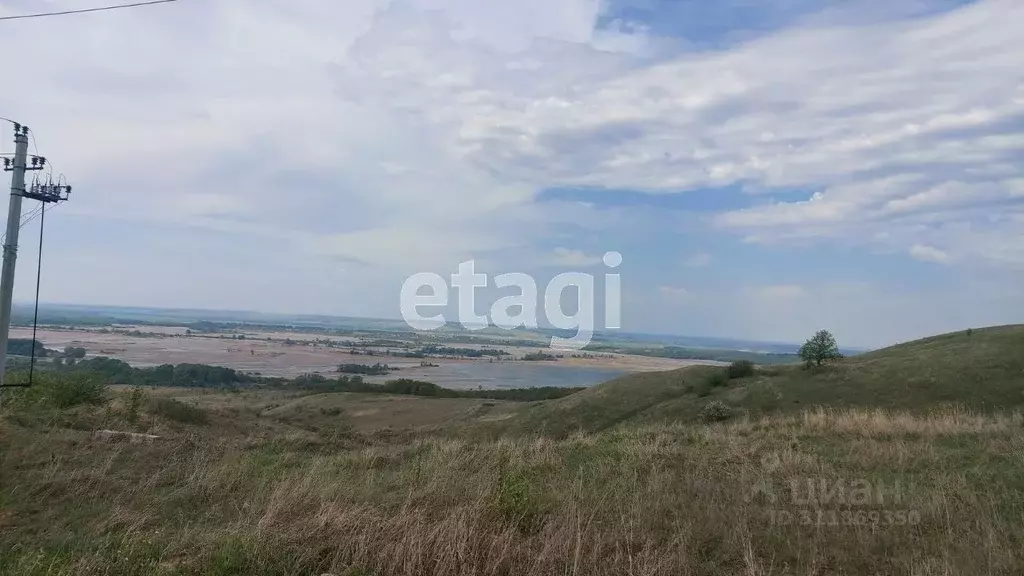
(765, 168)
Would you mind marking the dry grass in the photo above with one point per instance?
(651, 500)
(983, 372)
(880, 423)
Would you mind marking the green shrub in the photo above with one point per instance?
(178, 411)
(134, 403)
(52, 390)
(74, 390)
(717, 379)
(517, 501)
(73, 352)
(715, 411)
(24, 346)
(740, 369)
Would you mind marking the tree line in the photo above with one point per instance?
(367, 369)
(114, 371)
(182, 375)
(24, 346)
(406, 386)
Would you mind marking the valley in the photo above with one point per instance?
(905, 460)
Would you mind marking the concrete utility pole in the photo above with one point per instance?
(11, 242)
(45, 193)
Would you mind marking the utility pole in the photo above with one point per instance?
(45, 193)
(11, 242)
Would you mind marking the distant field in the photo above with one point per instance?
(314, 326)
(275, 357)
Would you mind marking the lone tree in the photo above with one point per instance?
(820, 348)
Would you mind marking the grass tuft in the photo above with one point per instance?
(178, 411)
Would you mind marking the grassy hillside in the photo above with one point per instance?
(982, 371)
(620, 479)
(240, 493)
(614, 402)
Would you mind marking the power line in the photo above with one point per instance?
(30, 216)
(24, 220)
(84, 10)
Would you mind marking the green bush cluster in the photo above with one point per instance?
(134, 403)
(740, 369)
(718, 379)
(24, 346)
(715, 411)
(56, 390)
(517, 501)
(178, 411)
(102, 370)
(185, 375)
(410, 387)
(369, 370)
(74, 352)
(721, 378)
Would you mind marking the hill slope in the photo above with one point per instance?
(981, 371)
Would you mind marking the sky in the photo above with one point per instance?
(765, 169)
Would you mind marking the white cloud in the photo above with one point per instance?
(928, 253)
(886, 123)
(407, 136)
(291, 137)
(441, 110)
